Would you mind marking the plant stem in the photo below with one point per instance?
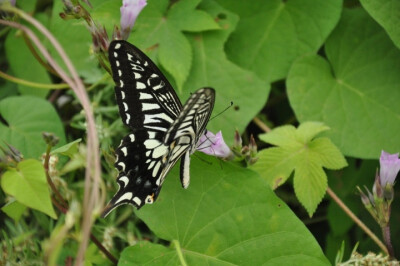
(34, 84)
(63, 207)
(386, 238)
(179, 252)
(103, 249)
(356, 220)
(261, 124)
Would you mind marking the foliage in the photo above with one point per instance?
(281, 63)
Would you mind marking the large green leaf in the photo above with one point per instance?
(272, 34)
(386, 13)
(75, 38)
(27, 117)
(28, 185)
(356, 92)
(160, 27)
(298, 150)
(24, 65)
(228, 215)
(211, 68)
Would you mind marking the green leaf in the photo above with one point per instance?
(76, 40)
(228, 215)
(27, 117)
(24, 65)
(69, 149)
(272, 34)
(14, 209)
(211, 68)
(186, 18)
(355, 91)
(175, 54)
(299, 151)
(28, 185)
(385, 12)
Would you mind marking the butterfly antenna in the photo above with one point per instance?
(221, 111)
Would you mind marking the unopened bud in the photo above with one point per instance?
(237, 140)
(50, 138)
(252, 146)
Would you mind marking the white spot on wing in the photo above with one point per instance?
(140, 85)
(156, 168)
(137, 201)
(122, 93)
(143, 96)
(121, 84)
(137, 75)
(122, 166)
(151, 143)
(115, 54)
(124, 150)
(125, 106)
(119, 73)
(160, 151)
(128, 117)
(149, 106)
(126, 196)
(124, 179)
(132, 137)
(117, 46)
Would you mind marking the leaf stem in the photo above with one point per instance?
(356, 220)
(386, 238)
(34, 84)
(179, 252)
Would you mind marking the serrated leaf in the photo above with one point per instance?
(28, 185)
(14, 209)
(27, 117)
(69, 149)
(21, 59)
(272, 34)
(211, 68)
(228, 215)
(355, 91)
(385, 12)
(310, 183)
(301, 152)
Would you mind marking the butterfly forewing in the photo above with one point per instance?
(162, 130)
(185, 131)
(144, 96)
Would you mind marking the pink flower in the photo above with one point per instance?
(213, 145)
(390, 166)
(130, 10)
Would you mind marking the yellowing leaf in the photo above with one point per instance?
(299, 151)
(28, 185)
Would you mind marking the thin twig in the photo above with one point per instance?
(103, 249)
(356, 220)
(261, 124)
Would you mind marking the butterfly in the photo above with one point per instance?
(162, 130)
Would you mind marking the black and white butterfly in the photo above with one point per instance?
(162, 130)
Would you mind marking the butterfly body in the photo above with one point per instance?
(162, 130)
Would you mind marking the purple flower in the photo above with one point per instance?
(390, 166)
(213, 145)
(130, 10)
